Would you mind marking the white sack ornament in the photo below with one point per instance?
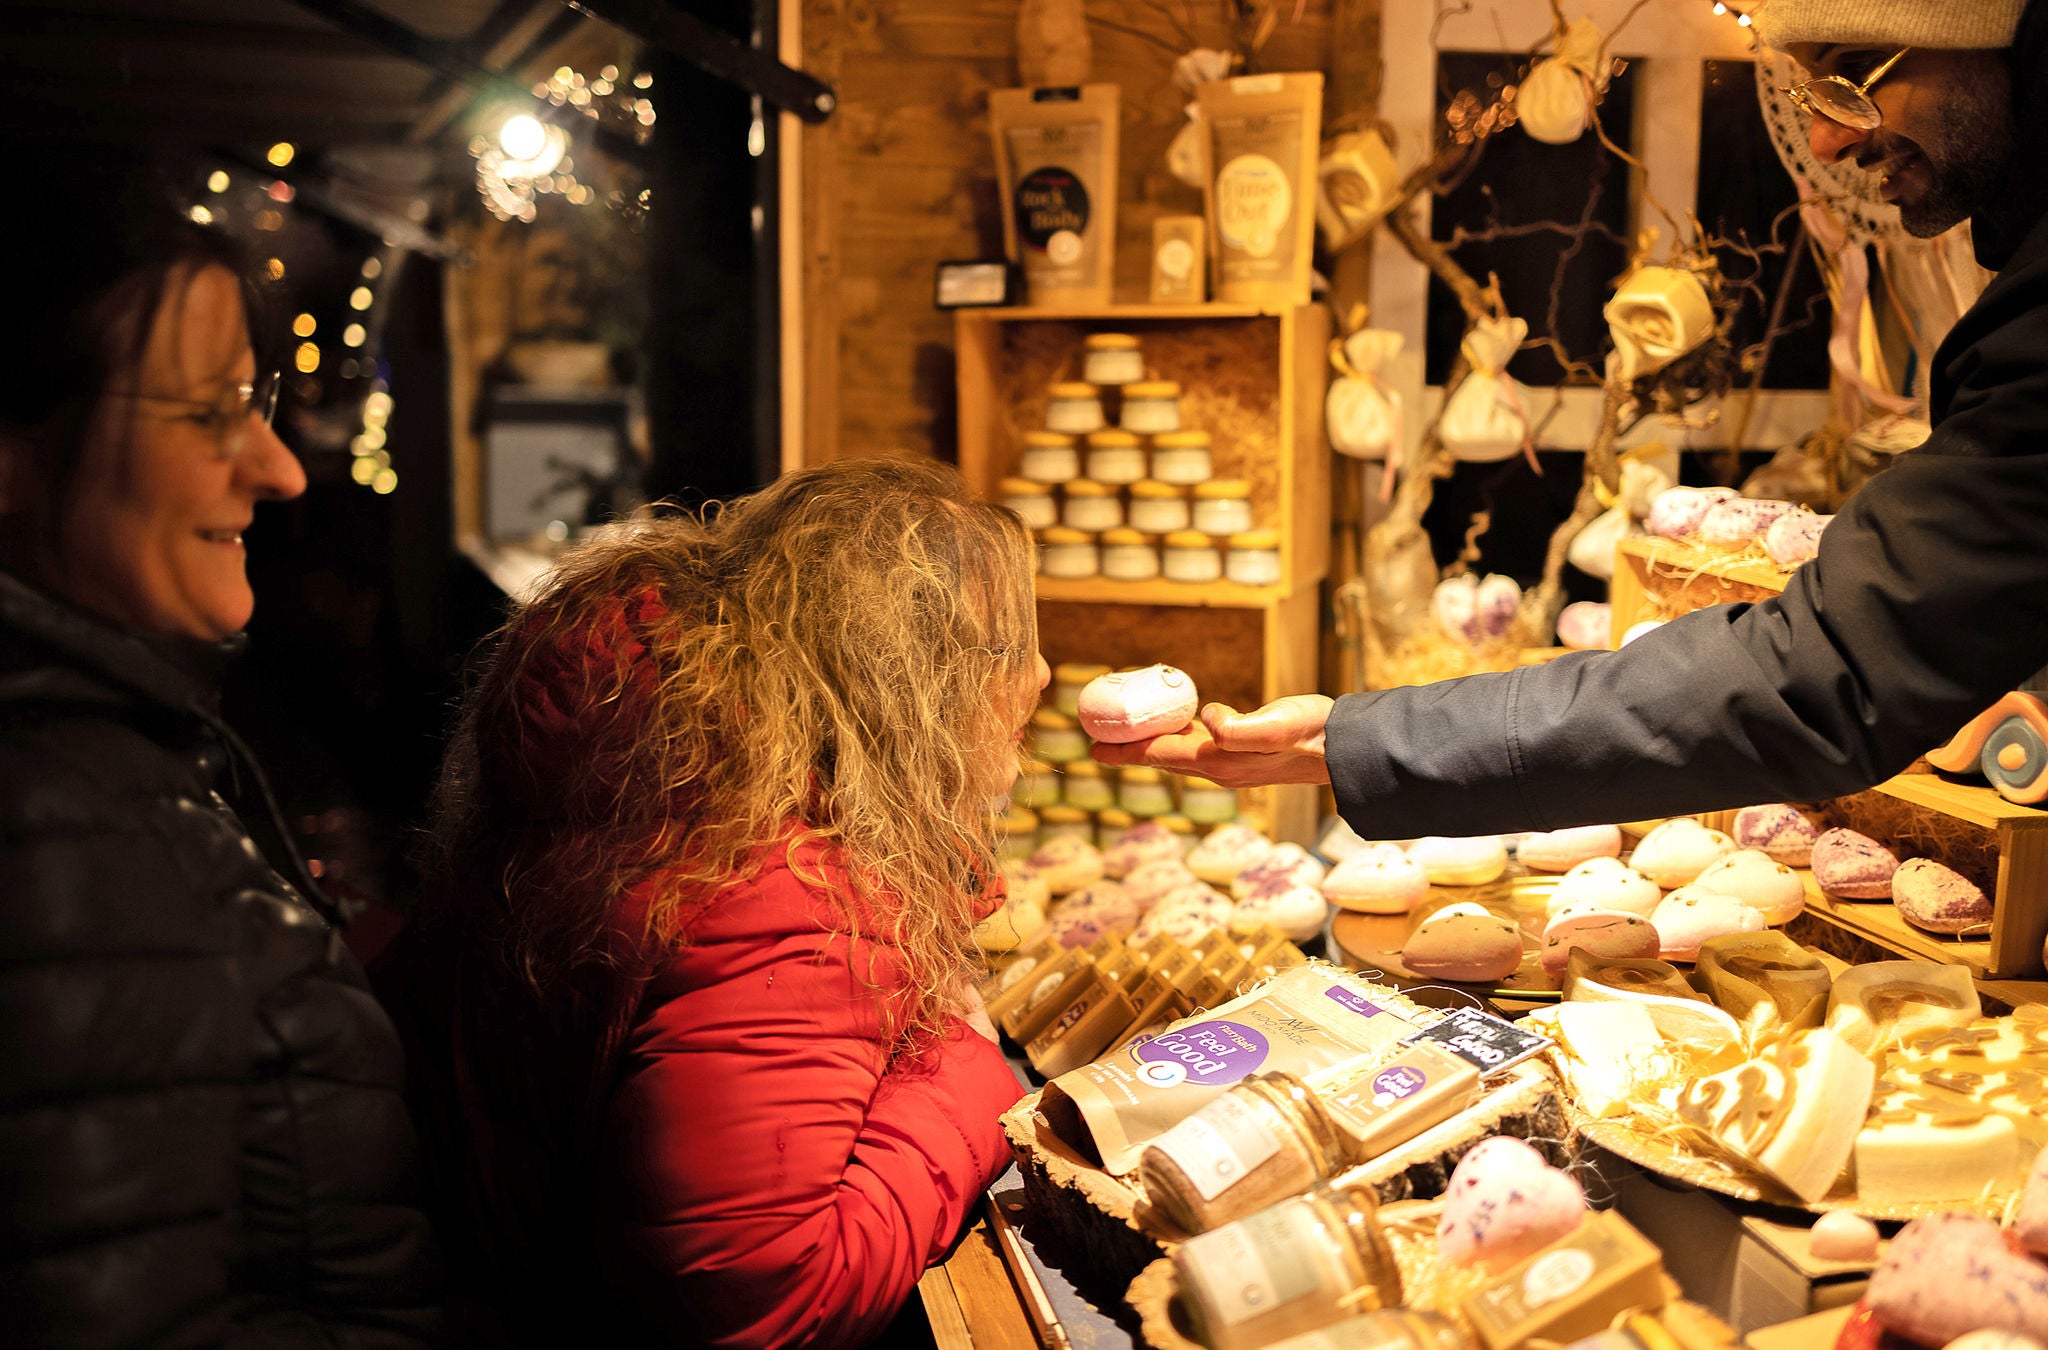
(1356, 182)
(1555, 104)
(1484, 421)
(1658, 315)
(1592, 552)
(1362, 409)
(1184, 153)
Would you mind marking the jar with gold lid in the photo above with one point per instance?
(1144, 792)
(1191, 556)
(1037, 785)
(1291, 1268)
(1111, 825)
(1183, 830)
(1031, 501)
(1207, 803)
(1017, 834)
(1265, 1139)
(1049, 457)
(1069, 678)
(1057, 821)
(1057, 738)
(1067, 553)
(1151, 407)
(1129, 556)
(1158, 508)
(1111, 358)
(1085, 787)
(1223, 507)
(1115, 457)
(1182, 458)
(1253, 558)
(1090, 506)
(1074, 408)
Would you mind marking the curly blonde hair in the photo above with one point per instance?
(848, 650)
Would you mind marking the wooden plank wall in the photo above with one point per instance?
(902, 177)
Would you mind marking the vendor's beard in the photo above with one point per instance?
(1968, 154)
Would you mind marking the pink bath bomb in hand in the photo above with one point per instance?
(1136, 705)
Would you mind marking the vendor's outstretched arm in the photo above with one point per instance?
(1279, 743)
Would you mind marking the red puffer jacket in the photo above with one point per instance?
(768, 1176)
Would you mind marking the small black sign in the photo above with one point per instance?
(1482, 1040)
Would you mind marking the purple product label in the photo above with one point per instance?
(1398, 1082)
(1362, 1006)
(1207, 1054)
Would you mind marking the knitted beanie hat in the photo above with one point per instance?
(1962, 24)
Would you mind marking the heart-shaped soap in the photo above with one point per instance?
(1505, 1202)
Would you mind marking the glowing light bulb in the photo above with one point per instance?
(217, 181)
(304, 326)
(281, 153)
(522, 136)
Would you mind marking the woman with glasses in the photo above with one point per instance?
(200, 1118)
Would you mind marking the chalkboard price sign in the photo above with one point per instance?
(1482, 1040)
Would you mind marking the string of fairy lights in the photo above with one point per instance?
(527, 156)
(1721, 7)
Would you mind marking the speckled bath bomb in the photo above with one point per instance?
(1294, 909)
(1607, 934)
(1562, 850)
(1948, 1274)
(1503, 1203)
(1690, 915)
(1852, 866)
(1374, 883)
(1677, 512)
(1472, 948)
(1604, 883)
(1795, 538)
(1753, 877)
(1778, 830)
(1585, 625)
(1677, 851)
(1470, 861)
(1939, 899)
(1740, 521)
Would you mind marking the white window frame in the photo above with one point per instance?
(1665, 44)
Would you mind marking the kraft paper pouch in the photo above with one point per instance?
(1304, 1021)
(1056, 165)
(1259, 139)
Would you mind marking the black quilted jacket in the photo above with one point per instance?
(202, 1140)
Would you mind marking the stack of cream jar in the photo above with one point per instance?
(1061, 791)
(1100, 509)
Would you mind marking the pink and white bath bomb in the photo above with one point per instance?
(1946, 1275)
(1148, 882)
(1585, 625)
(1753, 877)
(1679, 850)
(1375, 883)
(1852, 866)
(1134, 705)
(1795, 538)
(1778, 830)
(1227, 850)
(1186, 914)
(1939, 899)
(1067, 863)
(1504, 1203)
(1689, 916)
(1289, 863)
(1294, 909)
(1604, 883)
(1142, 843)
(1740, 521)
(1562, 850)
(1472, 861)
(1677, 512)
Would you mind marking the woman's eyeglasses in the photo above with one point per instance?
(227, 416)
(1839, 99)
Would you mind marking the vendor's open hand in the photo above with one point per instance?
(1279, 743)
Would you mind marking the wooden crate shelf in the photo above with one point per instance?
(1252, 378)
(1663, 578)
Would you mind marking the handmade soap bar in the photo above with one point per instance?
(1794, 1113)
(1882, 1003)
(1741, 970)
(1917, 1147)
(1575, 1287)
(1995, 1065)
(1386, 1106)
(1680, 1013)
(1605, 1051)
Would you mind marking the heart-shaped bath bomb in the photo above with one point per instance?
(1504, 1203)
(1471, 948)
(1795, 538)
(1142, 843)
(1948, 1274)
(1376, 883)
(1676, 852)
(1585, 625)
(1778, 830)
(1939, 899)
(1604, 883)
(1740, 521)
(1227, 850)
(1288, 863)
(1562, 850)
(1691, 915)
(1460, 862)
(1852, 866)
(1133, 705)
(1294, 909)
(1677, 512)
(1607, 934)
(1753, 877)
